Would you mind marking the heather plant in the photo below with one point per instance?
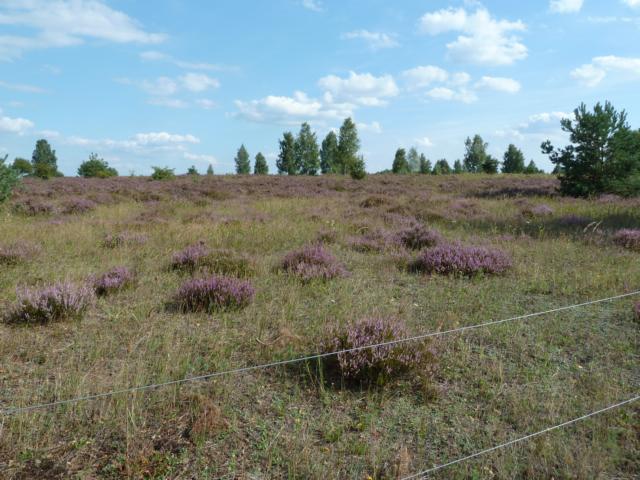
(33, 207)
(541, 210)
(375, 365)
(372, 241)
(76, 206)
(112, 281)
(213, 293)
(628, 238)
(461, 260)
(60, 301)
(190, 258)
(417, 237)
(312, 262)
(199, 257)
(18, 252)
(124, 239)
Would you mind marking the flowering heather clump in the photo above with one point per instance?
(313, 262)
(113, 280)
(537, 211)
(417, 237)
(327, 236)
(124, 238)
(213, 293)
(222, 261)
(17, 252)
(379, 364)
(372, 241)
(573, 220)
(60, 301)
(31, 207)
(78, 206)
(190, 258)
(458, 259)
(628, 238)
(374, 201)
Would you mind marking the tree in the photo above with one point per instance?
(425, 165)
(358, 171)
(307, 152)
(243, 164)
(160, 173)
(490, 165)
(457, 167)
(192, 170)
(8, 179)
(210, 170)
(22, 166)
(329, 153)
(513, 160)
(96, 167)
(414, 160)
(286, 161)
(476, 159)
(532, 168)
(441, 167)
(44, 161)
(348, 147)
(400, 163)
(603, 156)
(260, 167)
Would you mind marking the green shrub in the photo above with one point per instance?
(96, 167)
(165, 173)
(8, 179)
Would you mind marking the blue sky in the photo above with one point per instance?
(186, 82)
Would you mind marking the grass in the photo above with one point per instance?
(490, 385)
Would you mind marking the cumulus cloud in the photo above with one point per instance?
(538, 125)
(139, 143)
(14, 125)
(200, 158)
(565, 6)
(423, 76)
(424, 142)
(155, 56)
(632, 3)
(444, 93)
(373, 127)
(484, 40)
(499, 84)
(375, 40)
(591, 74)
(167, 102)
(313, 5)
(206, 103)
(62, 23)
(362, 89)
(198, 82)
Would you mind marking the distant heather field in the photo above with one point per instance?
(108, 284)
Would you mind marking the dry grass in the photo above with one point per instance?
(490, 385)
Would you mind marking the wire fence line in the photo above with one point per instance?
(431, 470)
(236, 371)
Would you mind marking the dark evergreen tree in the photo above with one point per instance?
(400, 163)
(441, 167)
(513, 160)
(44, 160)
(457, 167)
(210, 170)
(425, 165)
(307, 152)
(532, 168)
(358, 171)
(192, 170)
(286, 162)
(260, 167)
(490, 165)
(243, 164)
(329, 153)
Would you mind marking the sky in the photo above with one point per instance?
(179, 83)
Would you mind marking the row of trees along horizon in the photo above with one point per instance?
(603, 157)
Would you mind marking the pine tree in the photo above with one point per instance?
(457, 167)
(425, 165)
(44, 160)
(348, 146)
(243, 165)
(210, 170)
(192, 170)
(260, 167)
(441, 167)
(513, 160)
(286, 161)
(490, 165)
(400, 163)
(531, 168)
(358, 171)
(329, 153)
(307, 155)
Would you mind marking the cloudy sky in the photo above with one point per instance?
(186, 82)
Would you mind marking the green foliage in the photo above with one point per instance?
(348, 147)
(160, 173)
(400, 163)
(192, 170)
(490, 165)
(286, 162)
(307, 154)
(457, 167)
(476, 159)
(243, 164)
(425, 165)
(210, 170)
(604, 154)
(513, 160)
(414, 160)
(44, 161)
(532, 168)
(96, 167)
(358, 171)
(329, 153)
(8, 179)
(260, 167)
(441, 167)
(22, 166)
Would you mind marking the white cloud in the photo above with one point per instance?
(444, 93)
(373, 127)
(155, 56)
(14, 125)
(546, 117)
(537, 126)
(313, 5)
(565, 6)
(62, 23)
(200, 158)
(206, 103)
(21, 87)
(140, 142)
(167, 102)
(423, 76)
(500, 84)
(198, 82)
(161, 86)
(291, 110)
(375, 40)
(591, 74)
(632, 3)
(424, 142)
(363, 89)
(484, 40)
